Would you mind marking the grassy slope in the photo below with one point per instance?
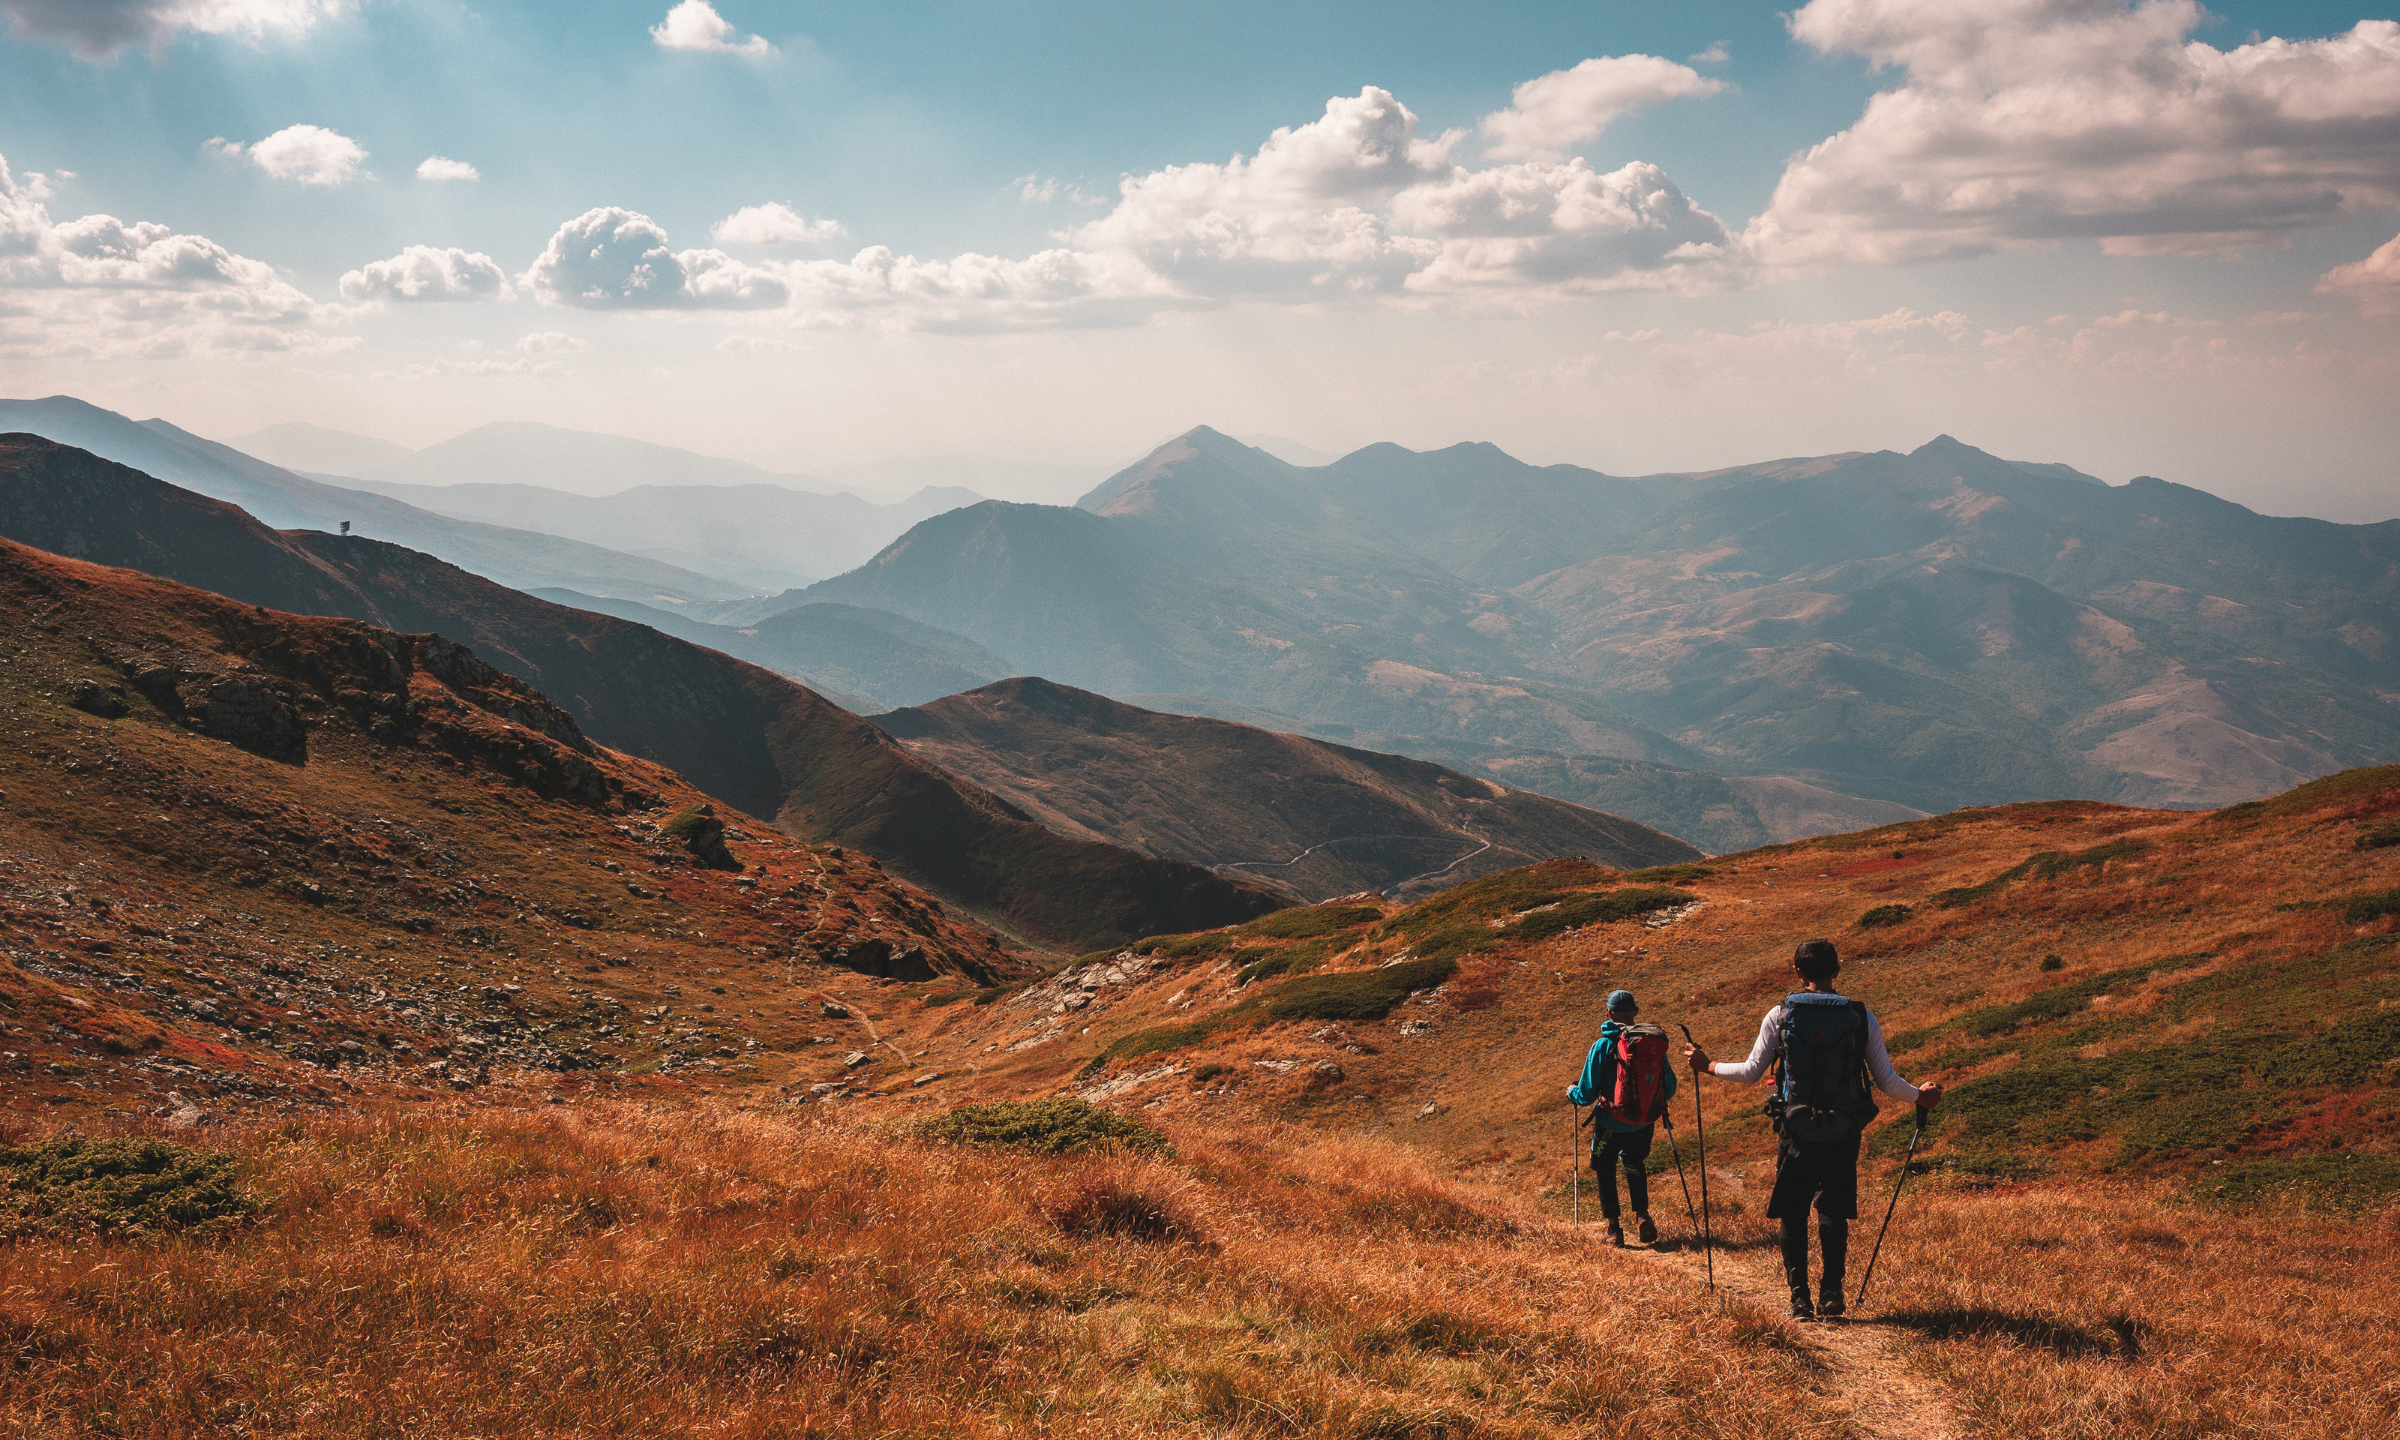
(1218, 793)
(2211, 1007)
(737, 731)
(161, 888)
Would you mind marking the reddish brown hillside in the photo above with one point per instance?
(254, 858)
(2201, 996)
(735, 730)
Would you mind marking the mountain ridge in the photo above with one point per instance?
(735, 730)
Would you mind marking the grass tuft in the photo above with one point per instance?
(1883, 915)
(1044, 1127)
(72, 1184)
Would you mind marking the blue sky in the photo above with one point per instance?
(1066, 260)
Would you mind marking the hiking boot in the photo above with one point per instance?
(1830, 1307)
(1646, 1232)
(1801, 1309)
(1616, 1232)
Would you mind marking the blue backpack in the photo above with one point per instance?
(1821, 1090)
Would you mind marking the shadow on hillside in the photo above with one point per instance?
(2117, 1337)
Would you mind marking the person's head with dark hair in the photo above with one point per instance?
(1817, 961)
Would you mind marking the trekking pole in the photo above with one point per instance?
(1888, 1209)
(1575, 1159)
(1677, 1152)
(1708, 1244)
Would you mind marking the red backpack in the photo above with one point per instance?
(1639, 1095)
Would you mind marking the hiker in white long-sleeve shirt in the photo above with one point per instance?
(1824, 1050)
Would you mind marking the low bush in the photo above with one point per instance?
(1309, 922)
(2363, 908)
(1044, 1127)
(1183, 947)
(1670, 874)
(1357, 995)
(2327, 1182)
(1883, 915)
(1604, 908)
(2381, 836)
(73, 1184)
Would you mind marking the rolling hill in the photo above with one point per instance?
(738, 732)
(1313, 819)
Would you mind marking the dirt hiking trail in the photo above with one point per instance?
(1866, 1370)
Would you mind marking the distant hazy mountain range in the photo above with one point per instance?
(762, 530)
(1931, 629)
(286, 500)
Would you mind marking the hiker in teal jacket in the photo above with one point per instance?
(1615, 1140)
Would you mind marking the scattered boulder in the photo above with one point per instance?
(832, 1011)
(248, 713)
(703, 836)
(880, 959)
(93, 698)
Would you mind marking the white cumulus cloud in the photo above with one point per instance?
(1562, 227)
(310, 154)
(423, 273)
(773, 223)
(101, 286)
(696, 25)
(100, 29)
(2031, 121)
(2373, 282)
(442, 167)
(613, 259)
(1549, 116)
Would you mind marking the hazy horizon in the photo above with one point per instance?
(2152, 239)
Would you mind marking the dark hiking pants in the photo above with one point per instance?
(1823, 1173)
(1632, 1147)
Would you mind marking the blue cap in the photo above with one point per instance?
(1621, 1000)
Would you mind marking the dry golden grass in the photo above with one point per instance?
(2106, 1311)
(610, 1270)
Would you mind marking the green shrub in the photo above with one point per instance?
(1161, 1038)
(1883, 915)
(2048, 865)
(2051, 963)
(1669, 874)
(2362, 908)
(1183, 947)
(1601, 909)
(1501, 894)
(1309, 922)
(1452, 942)
(1043, 1127)
(2330, 1182)
(1351, 995)
(685, 821)
(1290, 960)
(75, 1184)
(1207, 1073)
(1356, 995)
(2049, 1004)
(2381, 836)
